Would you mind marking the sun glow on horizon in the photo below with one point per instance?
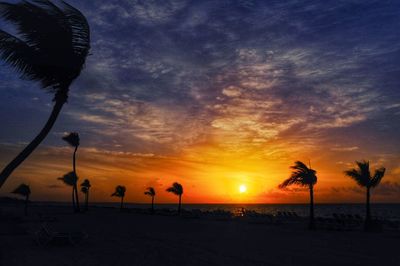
(242, 189)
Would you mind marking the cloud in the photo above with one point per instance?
(354, 148)
(268, 80)
(386, 188)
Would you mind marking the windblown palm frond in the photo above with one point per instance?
(150, 192)
(176, 189)
(23, 190)
(301, 175)
(70, 179)
(53, 44)
(119, 192)
(72, 139)
(376, 179)
(362, 175)
(86, 183)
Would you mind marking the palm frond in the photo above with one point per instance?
(53, 45)
(301, 175)
(119, 192)
(72, 139)
(86, 183)
(361, 174)
(150, 192)
(176, 189)
(376, 179)
(80, 30)
(16, 53)
(363, 167)
(300, 166)
(357, 176)
(23, 190)
(70, 179)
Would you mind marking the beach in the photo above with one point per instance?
(131, 238)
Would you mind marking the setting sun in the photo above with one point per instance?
(242, 188)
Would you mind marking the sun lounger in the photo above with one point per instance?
(45, 237)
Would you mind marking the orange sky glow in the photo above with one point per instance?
(209, 174)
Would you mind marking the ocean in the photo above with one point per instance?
(386, 211)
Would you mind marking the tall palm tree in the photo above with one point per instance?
(23, 190)
(120, 192)
(73, 140)
(306, 177)
(151, 192)
(52, 45)
(70, 179)
(85, 187)
(362, 176)
(177, 189)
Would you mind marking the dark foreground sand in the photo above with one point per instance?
(137, 239)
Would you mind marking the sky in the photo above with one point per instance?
(215, 95)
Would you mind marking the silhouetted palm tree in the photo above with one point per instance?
(177, 189)
(85, 187)
(151, 193)
(51, 48)
(363, 177)
(70, 179)
(306, 177)
(120, 192)
(73, 140)
(25, 191)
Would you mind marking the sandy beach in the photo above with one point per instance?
(116, 238)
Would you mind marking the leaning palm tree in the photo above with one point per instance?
(120, 192)
(85, 187)
(306, 177)
(73, 140)
(362, 176)
(70, 179)
(177, 189)
(51, 47)
(151, 193)
(25, 191)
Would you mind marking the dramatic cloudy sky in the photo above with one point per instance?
(215, 94)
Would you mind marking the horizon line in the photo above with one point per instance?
(205, 203)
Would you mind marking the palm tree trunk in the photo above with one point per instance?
(73, 198)
(26, 205)
(122, 204)
(87, 200)
(152, 204)
(311, 224)
(179, 205)
(35, 142)
(368, 212)
(77, 209)
(75, 187)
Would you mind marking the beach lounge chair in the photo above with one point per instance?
(45, 237)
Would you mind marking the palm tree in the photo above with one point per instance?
(177, 189)
(73, 140)
(151, 193)
(25, 191)
(362, 176)
(70, 179)
(85, 187)
(120, 192)
(51, 48)
(306, 177)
